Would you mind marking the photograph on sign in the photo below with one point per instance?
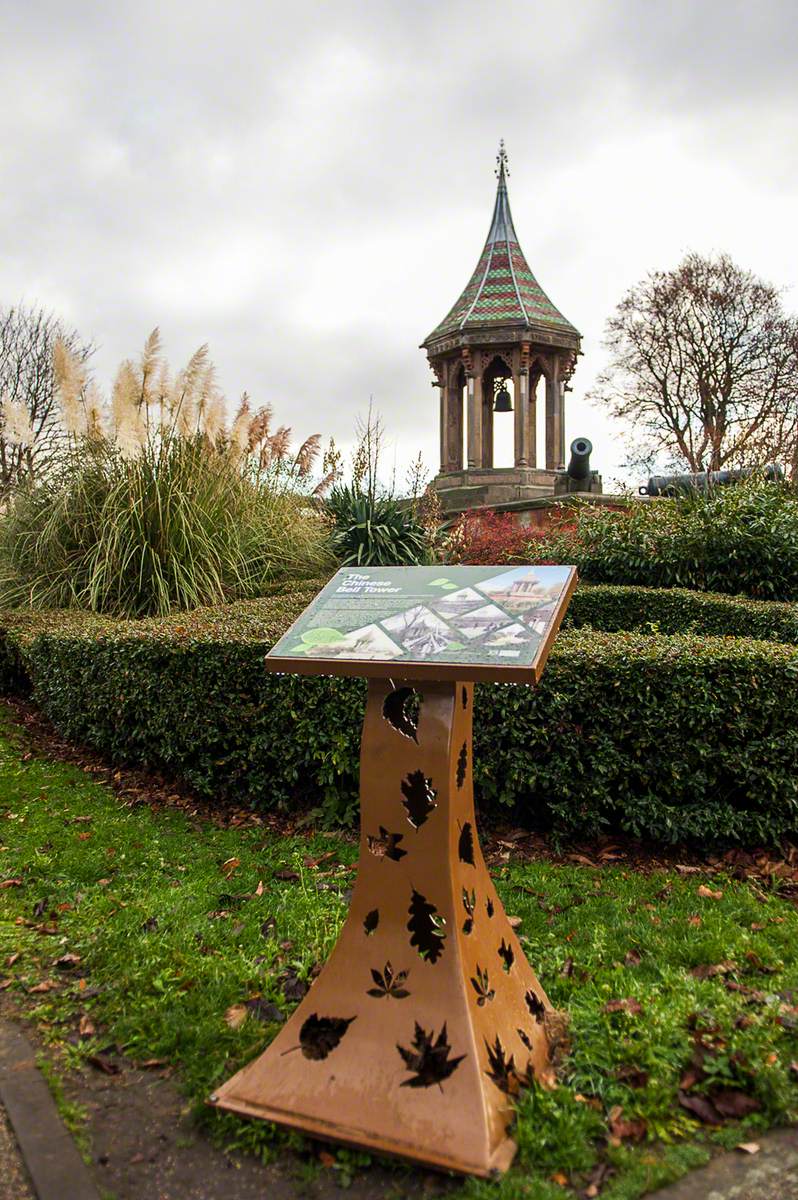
(488, 616)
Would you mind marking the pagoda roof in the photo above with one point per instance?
(502, 290)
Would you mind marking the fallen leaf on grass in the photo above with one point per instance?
(5, 983)
(514, 922)
(45, 986)
(622, 1127)
(701, 1107)
(235, 1016)
(229, 866)
(707, 893)
(151, 1063)
(326, 1159)
(628, 1005)
(7, 883)
(67, 962)
(101, 1063)
(264, 1010)
(12, 958)
(748, 1147)
(293, 987)
(710, 970)
(560, 1178)
(86, 1027)
(259, 888)
(286, 875)
(734, 1104)
(695, 921)
(632, 958)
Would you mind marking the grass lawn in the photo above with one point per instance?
(172, 937)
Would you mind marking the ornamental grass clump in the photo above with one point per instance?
(156, 504)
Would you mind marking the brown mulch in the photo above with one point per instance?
(774, 868)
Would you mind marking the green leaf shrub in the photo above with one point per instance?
(740, 540)
(373, 530)
(667, 737)
(613, 608)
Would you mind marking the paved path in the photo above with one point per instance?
(772, 1174)
(14, 1182)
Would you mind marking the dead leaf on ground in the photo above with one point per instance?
(748, 1147)
(236, 1015)
(707, 893)
(710, 970)
(101, 1063)
(5, 983)
(627, 1005)
(633, 958)
(514, 922)
(12, 958)
(625, 1128)
(287, 875)
(86, 1027)
(45, 986)
(326, 1159)
(259, 889)
(7, 883)
(559, 1177)
(67, 962)
(229, 866)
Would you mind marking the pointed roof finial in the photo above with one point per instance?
(502, 168)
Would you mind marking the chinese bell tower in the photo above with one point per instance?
(502, 333)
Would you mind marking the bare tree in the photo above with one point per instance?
(704, 367)
(27, 339)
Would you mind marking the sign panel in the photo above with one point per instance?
(434, 622)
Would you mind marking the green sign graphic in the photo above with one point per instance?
(496, 616)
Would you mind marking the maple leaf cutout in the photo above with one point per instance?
(419, 798)
(501, 1069)
(386, 845)
(429, 1059)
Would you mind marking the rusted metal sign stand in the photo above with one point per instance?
(427, 1018)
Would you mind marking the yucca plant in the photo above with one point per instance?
(155, 504)
(374, 530)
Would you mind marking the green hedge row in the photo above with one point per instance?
(615, 607)
(673, 738)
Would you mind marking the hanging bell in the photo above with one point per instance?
(503, 401)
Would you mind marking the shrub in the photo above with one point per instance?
(155, 505)
(613, 608)
(478, 538)
(740, 539)
(372, 530)
(664, 737)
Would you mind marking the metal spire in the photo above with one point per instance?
(502, 166)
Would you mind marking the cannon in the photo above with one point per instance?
(701, 481)
(577, 476)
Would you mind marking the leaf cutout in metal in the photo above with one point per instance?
(386, 845)
(419, 797)
(371, 921)
(535, 1006)
(465, 697)
(469, 901)
(462, 764)
(426, 926)
(468, 925)
(465, 847)
(388, 984)
(506, 955)
(525, 1038)
(489, 907)
(502, 1069)
(481, 985)
(429, 1058)
(319, 1036)
(401, 709)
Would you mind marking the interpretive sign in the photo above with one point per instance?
(427, 1019)
(429, 622)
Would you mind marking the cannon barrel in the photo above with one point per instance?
(680, 485)
(579, 464)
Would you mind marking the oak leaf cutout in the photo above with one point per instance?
(426, 927)
(429, 1059)
(419, 798)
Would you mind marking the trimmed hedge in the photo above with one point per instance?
(614, 607)
(666, 737)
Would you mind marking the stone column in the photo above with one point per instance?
(454, 455)
(445, 400)
(487, 425)
(534, 378)
(555, 429)
(521, 396)
(474, 384)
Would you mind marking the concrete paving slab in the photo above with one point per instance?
(772, 1174)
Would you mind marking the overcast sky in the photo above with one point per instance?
(307, 187)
